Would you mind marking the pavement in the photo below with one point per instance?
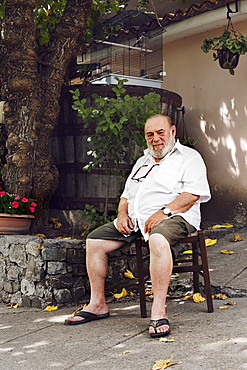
(34, 339)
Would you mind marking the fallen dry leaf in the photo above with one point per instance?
(237, 238)
(226, 251)
(166, 340)
(198, 297)
(148, 291)
(131, 294)
(65, 237)
(51, 308)
(222, 307)
(84, 227)
(79, 309)
(219, 296)
(163, 364)
(210, 242)
(129, 274)
(126, 335)
(124, 293)
(231, 303)
(55, 223)
(127, 351)
(226, 225)
(40, 236)
(186, 297)
(12, 305)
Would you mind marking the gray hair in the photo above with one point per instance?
(159, 115)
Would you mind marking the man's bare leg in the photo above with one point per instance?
(161, 264)
(97, 267)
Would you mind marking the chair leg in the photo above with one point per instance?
(140, 273)
(195, 263)
(205, 270)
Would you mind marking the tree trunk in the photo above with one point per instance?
(31, 81)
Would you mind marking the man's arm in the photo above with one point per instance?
(182, 203)
(124, 223)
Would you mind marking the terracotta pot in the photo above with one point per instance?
(228, 60)
(15, 224)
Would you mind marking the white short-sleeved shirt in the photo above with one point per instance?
(181, 170)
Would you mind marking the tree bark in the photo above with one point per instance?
(31, 81)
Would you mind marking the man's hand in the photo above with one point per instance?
(124, 223)
(154, 220)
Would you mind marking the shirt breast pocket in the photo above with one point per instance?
(170, 182)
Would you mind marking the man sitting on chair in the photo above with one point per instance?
(161, 200)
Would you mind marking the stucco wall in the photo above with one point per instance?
(216, 107)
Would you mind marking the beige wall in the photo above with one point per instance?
(216, 105)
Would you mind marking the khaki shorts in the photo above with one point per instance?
(173, 229)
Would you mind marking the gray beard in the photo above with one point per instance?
(167, 148)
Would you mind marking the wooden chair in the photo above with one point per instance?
(197, 264)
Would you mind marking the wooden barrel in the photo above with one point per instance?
(69, 146)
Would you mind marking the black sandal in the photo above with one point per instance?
(157, 323)
(88, 316)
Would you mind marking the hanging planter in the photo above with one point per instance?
(227, 47)
(15, 224)
(227, 59)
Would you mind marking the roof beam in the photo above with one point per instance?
(203, 22)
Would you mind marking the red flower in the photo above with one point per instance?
(24, 200)
(33, 204)
(15, 204)
(32, 209)
(2, 193)
(17, 197)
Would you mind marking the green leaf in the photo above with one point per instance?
(2, 9)
(123, 119)
(96, 96)
(116, 91)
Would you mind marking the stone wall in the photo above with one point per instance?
(36, 272)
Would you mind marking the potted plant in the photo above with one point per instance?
(16, 213)
(227, 48)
